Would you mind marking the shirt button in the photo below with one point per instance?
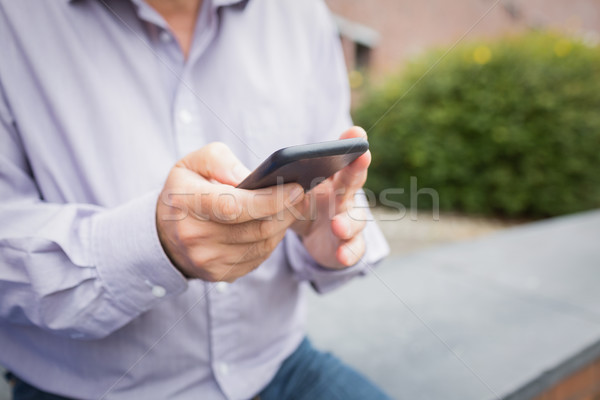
(158, 291)
(185, 117)
(221, 287)
(223, 368)
(164, 36)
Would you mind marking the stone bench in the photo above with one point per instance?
(508, 316)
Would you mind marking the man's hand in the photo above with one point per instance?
(332, 227)
(213, 231)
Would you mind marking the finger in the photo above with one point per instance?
(217, 162)
(227, 205)
(230, 262)
(346, 226)
(230, 273)
(353, 176)
(255, 252)
(255, 230)
(351, 251)
(237, 269)
(354, 132)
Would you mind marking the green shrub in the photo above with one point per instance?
(510, 127)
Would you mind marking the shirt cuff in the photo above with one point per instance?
(130, 260)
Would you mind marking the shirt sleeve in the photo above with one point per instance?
(330, 112)
(77, 270)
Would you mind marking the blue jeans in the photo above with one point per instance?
(307, 374)
(24, 391)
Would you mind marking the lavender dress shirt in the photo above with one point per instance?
(96, 104)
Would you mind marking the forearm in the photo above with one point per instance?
(81, 270)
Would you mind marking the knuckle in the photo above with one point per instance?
(362, 223)
(216, 149)
(226, 207)
(264, 229)
(209, 266)
(244, 269)
(252, 252)
(169, 196)
(210, 276)
(203, 260)
(358, 247)
(235, 234)
(172, 204)
(185, 235)
(269, 244)
(356, 225)
(263, 249)
(252, 266)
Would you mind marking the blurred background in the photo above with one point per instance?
(493, 104)
(484, 123)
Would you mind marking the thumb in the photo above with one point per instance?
(215, 162)
(354, 132)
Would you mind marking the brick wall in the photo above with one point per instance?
(407, 27)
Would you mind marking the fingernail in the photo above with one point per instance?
(295, 193)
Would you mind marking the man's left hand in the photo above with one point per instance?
(332, 227)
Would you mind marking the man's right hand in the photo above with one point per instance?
(213, 231)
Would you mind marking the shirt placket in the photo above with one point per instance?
(225, 315)
(187, 121)
(190, 111)
(188, 107)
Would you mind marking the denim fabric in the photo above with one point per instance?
(309, 374)
(24, 391)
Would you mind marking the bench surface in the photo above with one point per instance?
(505, 316)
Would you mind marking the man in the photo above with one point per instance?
(122, 277)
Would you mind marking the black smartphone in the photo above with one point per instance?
(307, 164)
